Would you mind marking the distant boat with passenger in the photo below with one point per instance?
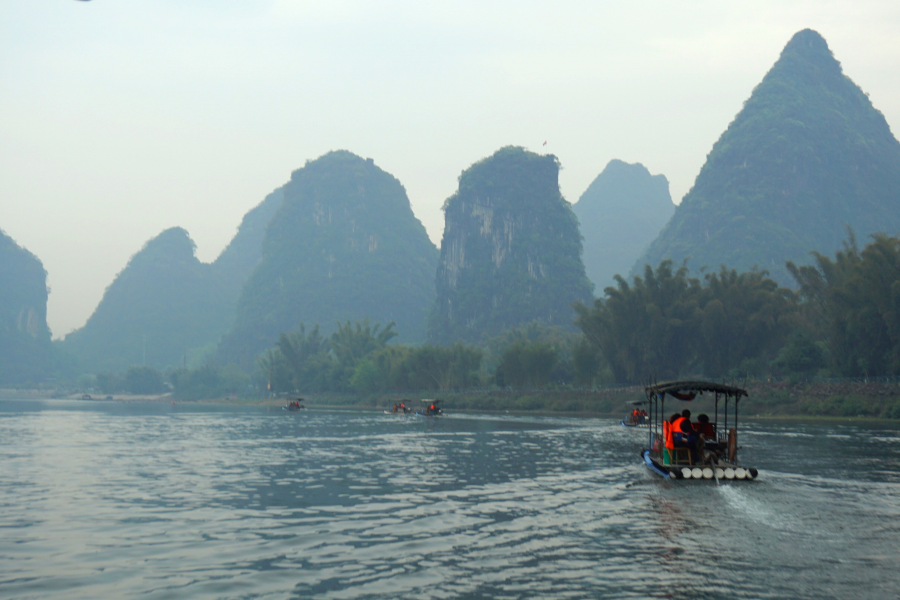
(431, 408)
(399, 409)
(704, 449)
(637, 417)
(294, 405)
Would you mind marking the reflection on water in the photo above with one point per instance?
(101, 500)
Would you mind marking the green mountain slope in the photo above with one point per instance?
(511, 251)
(806, 156)
(166, 305)
(161, 305)
(25, 351)
(238, 260)
(344, 245)
(620, 213)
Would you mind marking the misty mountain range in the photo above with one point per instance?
(807, 157)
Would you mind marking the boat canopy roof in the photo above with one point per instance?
(430, 401)
(687, 390)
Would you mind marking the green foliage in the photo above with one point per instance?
(587, 362)
(441, 367)
(511, 251)
(278, 375)
(648, 329)
(144, 380)
(800, 356)
(840, 406)
(562, 341)
(344, 245)
(86, 382)
(109, 383)
(807, 154)
(668, 325)
(357, 357)
(208, 382)
(307, 358)
(526, 365)
(744, 316)
(855, 300)
(352, 342)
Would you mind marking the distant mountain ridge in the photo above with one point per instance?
(620, 213)
(807, 156)
(345, 245)
(25, 351)
(166, 305)
(511, 250)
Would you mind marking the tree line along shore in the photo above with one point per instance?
(767, 399)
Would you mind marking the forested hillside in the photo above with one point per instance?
(345, 245)
(511, 251)
(164, 303)
(807, 156)
(166, 307)
(620, 213)
(25, 351)
(237, 261)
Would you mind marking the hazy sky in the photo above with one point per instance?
(120, 118)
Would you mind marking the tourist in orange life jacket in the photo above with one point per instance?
(670, 439)
(683, 434)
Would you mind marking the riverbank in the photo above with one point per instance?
(766, 399)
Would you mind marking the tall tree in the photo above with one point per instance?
(856, 298)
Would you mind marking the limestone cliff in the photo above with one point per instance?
(511, 251)
(25, 352)
(345, 245)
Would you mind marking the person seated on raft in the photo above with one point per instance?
(704, 427)
(683, 435)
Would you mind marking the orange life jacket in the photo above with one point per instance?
(667, 435)
(677, 425)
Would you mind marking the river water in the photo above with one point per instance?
(114, 500)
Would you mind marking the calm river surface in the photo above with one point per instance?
(112, 500)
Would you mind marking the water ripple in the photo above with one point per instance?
(102, 500)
